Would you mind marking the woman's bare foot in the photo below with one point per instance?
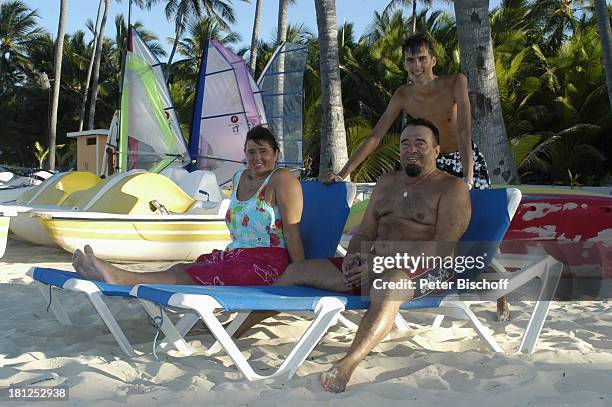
(87, 264)
(334, 380)
(107, 270)
(83, 266)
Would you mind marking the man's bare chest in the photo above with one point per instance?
(407, 206)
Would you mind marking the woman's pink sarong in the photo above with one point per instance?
(240, 267)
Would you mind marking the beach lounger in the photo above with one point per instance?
(326, 205)
(491, 215)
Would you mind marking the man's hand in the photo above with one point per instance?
(332, 177)
(354, 266)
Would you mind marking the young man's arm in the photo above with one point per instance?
(464, 127)
(369, 145)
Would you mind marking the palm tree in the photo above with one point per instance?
(59, 48)
(90, 68)
(281, 33)
(18, 34)
(333, 134)
(121, 33)
(556, 21)
(198, 32)
(96, 69)
(299, 34)
(605, 34)
(184, 10)
(478, 64)
(573, 154)
(281, 36)
(191, 47)
(255, 36)
(581, 91)
(395, 4)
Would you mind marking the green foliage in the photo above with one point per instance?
(382, 160)
(551, 157)
(548, 62)
(40, 154)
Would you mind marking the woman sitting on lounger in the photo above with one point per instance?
(264, 223)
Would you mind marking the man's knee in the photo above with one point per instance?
(292, 275)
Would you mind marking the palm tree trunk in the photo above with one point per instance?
(90, 69)
(477, 63)
(96, 70)
(255, 36)
(177, 37)
(414, 16)
(59, 49)
(333, 134)
(283, 6)
(605, 35)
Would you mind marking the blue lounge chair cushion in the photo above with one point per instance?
(268, 298)
(58, 278)
(488, 225)
(323, 208)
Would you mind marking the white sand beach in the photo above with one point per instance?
(572, 364)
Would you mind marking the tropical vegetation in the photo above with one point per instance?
(548, 62)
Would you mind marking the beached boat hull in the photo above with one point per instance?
(17, 185)
(11, 194)
(5, 217)
(563, 217)
(28, 228)
(4, 224)
(61, 189)
(153, 238)
(575, 229)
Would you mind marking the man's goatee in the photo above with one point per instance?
(413, 170)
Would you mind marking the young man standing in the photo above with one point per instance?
(444, 101)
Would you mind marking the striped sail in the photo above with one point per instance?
(282, 86)
(149, 132)
(228, 103)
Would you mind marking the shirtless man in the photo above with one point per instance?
(419, 204)
(444, 101)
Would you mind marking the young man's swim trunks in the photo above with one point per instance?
(451, 163)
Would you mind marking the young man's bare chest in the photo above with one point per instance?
(438, 106)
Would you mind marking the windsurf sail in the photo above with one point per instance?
(282, 86)
(149, 132)
(111, 148)
(228, 103)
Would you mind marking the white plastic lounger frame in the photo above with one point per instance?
(174, 334)
(96, 296)
(530, 266)
(326, 313)
(545, 268)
